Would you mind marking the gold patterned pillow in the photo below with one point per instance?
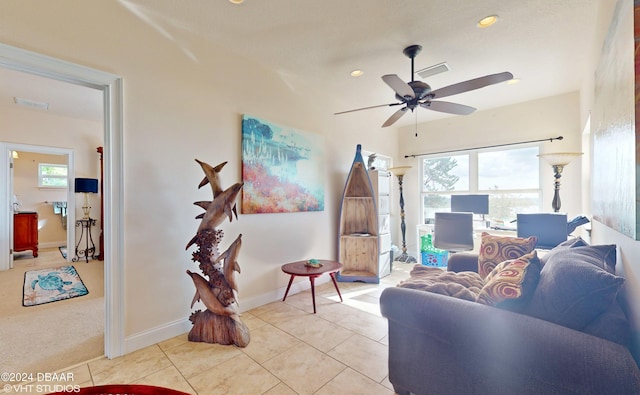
(497, 249)
(511, 284)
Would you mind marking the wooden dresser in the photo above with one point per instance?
(25, 232)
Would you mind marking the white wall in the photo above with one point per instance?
(179, 107)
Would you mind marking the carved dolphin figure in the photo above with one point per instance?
(218, 209)
(205, 293)
(212, 177)
(230, 257)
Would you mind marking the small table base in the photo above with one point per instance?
(301, 269)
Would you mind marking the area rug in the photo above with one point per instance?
(63, 251)
(51, 285)
(128, 389)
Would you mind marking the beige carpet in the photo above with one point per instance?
(52, 336)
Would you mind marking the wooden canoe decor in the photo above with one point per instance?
(220, 322)
(359, 242)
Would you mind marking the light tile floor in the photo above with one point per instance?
(340, 350)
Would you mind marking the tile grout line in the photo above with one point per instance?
(177, 369)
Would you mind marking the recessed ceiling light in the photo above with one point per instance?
(357, 73)
(513, 81)
(236, 1)
(31, 103)
(488, 21)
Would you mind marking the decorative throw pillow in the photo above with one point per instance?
(497, 249)
(603, 256)
(570, 243)
(574, 288)
(511, 284)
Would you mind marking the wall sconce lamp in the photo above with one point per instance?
(558, 161)
(399, 172)
(86, 186)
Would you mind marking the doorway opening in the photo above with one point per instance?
(111, 86)
(27, 196)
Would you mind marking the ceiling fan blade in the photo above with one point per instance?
(451, 108)
(470, 85)
(396, 115)
(400, 87)
(367, 108)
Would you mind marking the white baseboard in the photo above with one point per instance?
(156, 335)
(172, 329)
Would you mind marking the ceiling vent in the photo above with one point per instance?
(433, 70)
(31, 103)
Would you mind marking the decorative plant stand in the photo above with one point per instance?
(220, 322)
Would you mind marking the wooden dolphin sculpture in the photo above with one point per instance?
(212, 177)
(205, 293)
(230, 257)
(218, 209)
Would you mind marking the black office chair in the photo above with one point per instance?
(453, 232)
(551, 229)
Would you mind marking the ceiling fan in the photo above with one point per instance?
(419, 94)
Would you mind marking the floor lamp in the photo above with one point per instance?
(399, 172)
(558, 161)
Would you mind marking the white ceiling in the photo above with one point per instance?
(548, 44)
(64, 99)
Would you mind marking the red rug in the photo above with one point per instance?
(123, 389)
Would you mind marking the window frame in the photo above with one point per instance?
(382, 162)
(474, 178)
(41, 176)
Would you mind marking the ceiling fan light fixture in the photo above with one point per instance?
(356, 73)
(487, 21)
(513, 81)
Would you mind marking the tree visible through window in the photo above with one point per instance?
(510, 178)
(52, 175)
(437, 174)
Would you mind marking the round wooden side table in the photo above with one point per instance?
(300, 268)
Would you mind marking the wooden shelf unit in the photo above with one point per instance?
(359, 244)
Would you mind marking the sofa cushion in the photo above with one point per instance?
(574, 288)
(463, 285)
(612, 324)
(511, 284)
(573, 242)
(605, 254)
(497, 249)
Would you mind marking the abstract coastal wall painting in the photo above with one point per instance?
(613, 120)
(282, 168)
